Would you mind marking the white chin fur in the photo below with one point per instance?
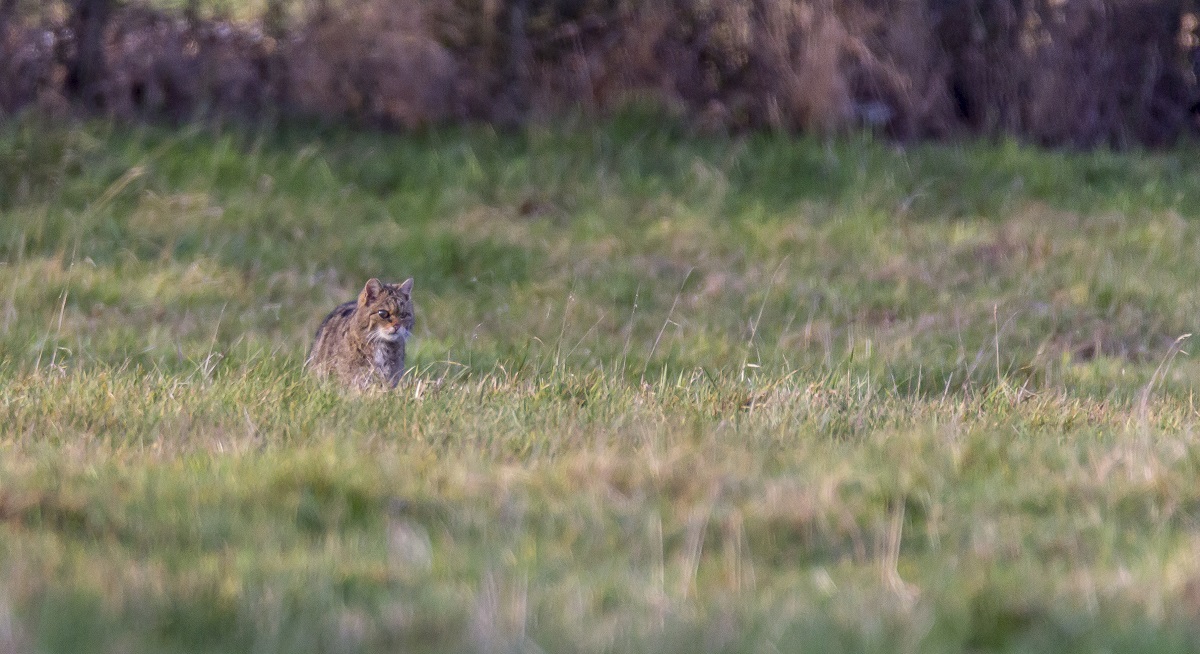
(401, 334)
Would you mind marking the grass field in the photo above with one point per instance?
(669, 393)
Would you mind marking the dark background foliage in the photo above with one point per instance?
(1056, 72)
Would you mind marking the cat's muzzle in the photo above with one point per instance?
(393, 334)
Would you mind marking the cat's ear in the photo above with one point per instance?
(406, 286)
(370, 292)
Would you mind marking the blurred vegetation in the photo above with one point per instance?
(671, 392)
(1111, 73)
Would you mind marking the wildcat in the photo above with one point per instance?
(361, 343)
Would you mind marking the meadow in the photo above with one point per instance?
(669, 392)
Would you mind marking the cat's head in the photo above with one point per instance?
(385, 310)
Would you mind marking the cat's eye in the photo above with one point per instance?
(383, 313)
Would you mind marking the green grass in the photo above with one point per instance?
(669, 393)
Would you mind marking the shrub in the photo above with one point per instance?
(1102, 72)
